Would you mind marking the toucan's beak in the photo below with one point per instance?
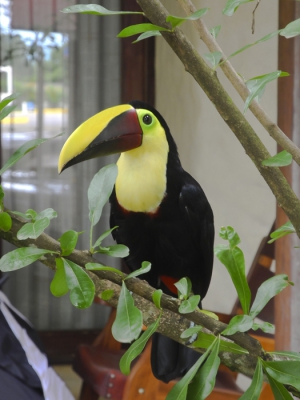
(111, 131)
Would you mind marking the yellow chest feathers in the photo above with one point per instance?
(141, 182)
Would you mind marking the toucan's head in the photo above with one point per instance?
(114, 130)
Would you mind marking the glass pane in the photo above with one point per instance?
(66, 68)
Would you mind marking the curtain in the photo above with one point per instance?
(87, 80)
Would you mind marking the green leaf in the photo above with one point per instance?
(5, 221)
(214, 58)
(8, 100)
(103, 236)
(266, 327)
(24, 149)
(176, 21)
(117, 250)
(140, 28)
(100, 267)
(31, 214)
(253, 391)
(146, 267)
(32, 230)
(205, 379)
(20, 258)
(47, 213)
(99, 191)
(232, 6)
(82, 288)
(146, 35)
(285, 372)
(6, 110)
(292, 29)
(259, 85)
(107, 294)
(204, 340)
(156, 297)
(129, 320)
(263, 39)
(191, 331)
(239, 323)
(290, 354)
(96, 10)
(231, 235)
(58, 286)
(1, 196)
(233, 259)
(268, 289)
(137, 347)
(184, 286)
(68, 242)
(281, 159)
(215, 31)
(284, 230)
(279, 391)
(179, 391)
(189, 305)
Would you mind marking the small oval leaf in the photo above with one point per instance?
(205, 379)
(20, 258)
(268, 289)
(68, 242)
(146, 267)
(140, 28)
(239, 323)
(107, 294)
(253, 391)
(189, 305)
(156, 297)
(58, 286)
(137, 347)
(82, 288)
(285, 372)
(129, 320)
(100, 267)
(5, 221)
(292, 29)
(281, 159)
(32, 230)
(99, 191)
(117, 250)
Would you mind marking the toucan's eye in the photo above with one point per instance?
(147, 119)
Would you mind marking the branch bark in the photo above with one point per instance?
(172, 322)
(237, 82)
(208, 81)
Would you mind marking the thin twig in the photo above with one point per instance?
(253, 16)
(271, 127)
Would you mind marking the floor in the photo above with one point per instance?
(70, 378)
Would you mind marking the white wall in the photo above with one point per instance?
(208, 149)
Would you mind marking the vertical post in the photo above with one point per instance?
(40, 92)
(137, 61)
(287, 303)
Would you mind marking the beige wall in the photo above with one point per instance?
(208, 149)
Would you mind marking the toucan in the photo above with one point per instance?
(161, 211)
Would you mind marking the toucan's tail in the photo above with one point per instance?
(169, 359)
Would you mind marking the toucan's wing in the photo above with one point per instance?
(199, 217)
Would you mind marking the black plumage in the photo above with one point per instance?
(178, 241)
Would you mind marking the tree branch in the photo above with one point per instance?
(208, 81)
(237, 82)
(172, 322)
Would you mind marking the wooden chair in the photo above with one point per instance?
(98, 364)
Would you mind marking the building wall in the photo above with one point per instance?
(209, 150)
